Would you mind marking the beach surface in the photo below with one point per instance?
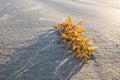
(28, 42)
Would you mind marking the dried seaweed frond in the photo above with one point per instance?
(72, 35)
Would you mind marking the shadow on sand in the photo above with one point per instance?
(43, 60)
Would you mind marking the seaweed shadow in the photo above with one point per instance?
(45, 59)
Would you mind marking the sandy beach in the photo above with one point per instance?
(28, 42)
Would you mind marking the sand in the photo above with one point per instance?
(28, 42)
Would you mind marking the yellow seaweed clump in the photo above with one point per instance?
(71, 34)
